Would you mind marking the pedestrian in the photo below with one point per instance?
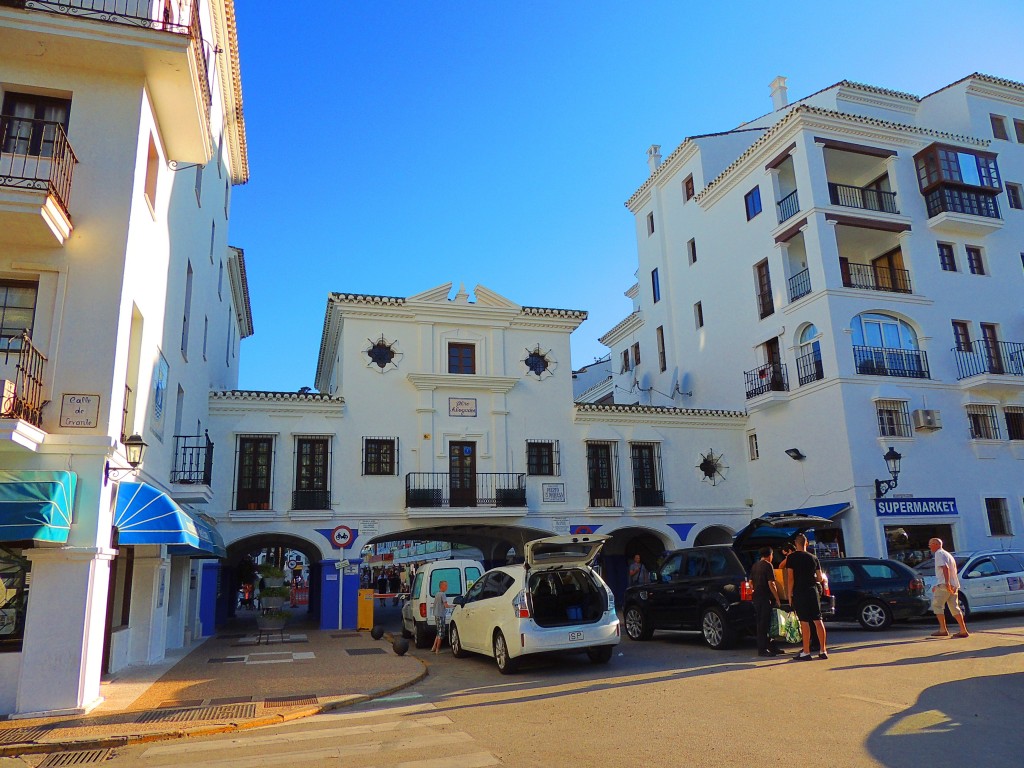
(944, 593)
(637, 571)
(766, 595)
(395, 586)
(382, 588)
(803, 574)
(440, 614)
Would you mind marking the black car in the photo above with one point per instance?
(705, 589)
(875, 592)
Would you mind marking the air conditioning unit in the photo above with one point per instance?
(927, 420)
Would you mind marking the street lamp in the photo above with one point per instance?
(134, 450)
(892, 462)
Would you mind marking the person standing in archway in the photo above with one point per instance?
(637, 572)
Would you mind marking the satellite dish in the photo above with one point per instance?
(684, 384)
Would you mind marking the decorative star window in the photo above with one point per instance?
(539, 363)
(383, 354)
(711, 467)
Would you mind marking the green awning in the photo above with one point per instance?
(36, 505)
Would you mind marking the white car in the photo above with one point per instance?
(554, 601)
(990, 581)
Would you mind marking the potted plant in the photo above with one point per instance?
(271, 574)
(274, 597)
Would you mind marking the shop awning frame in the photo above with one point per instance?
(36, 505)
(146, 515)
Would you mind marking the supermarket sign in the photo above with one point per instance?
(904, 507)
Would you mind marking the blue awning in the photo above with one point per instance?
(146, 515)
(211, 543)
(826, 510)
(35, 505)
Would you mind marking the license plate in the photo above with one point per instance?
(575, 636)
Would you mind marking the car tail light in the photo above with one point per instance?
(523, 604)
(917, 586)
(423, 610)
(611, 598)
(747, 590)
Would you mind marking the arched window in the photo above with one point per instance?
(808, 361)
(884, 345)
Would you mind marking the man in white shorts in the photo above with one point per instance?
(944, 593)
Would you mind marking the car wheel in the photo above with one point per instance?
(637, 625)
(406, 633)
(421, 636)
(600, 654)
(717, 632)
(455, 641)
(506, 664)
(874, 615)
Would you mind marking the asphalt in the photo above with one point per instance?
(227, 683)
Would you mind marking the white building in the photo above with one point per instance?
(121, 136)
(847, 269)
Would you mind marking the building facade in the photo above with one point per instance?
(121, 136)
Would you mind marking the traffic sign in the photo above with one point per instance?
(341, 536)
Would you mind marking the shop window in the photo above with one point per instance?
(983, 424)
(14, 581)
(998, 517)
(893, 418)
(542, 457)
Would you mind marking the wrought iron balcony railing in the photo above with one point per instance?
(862, 197)
(881, 361)
(23, 398)
(870, 277)
(770, 377)
(311, 499)
(1004, 358)
(472, 489)
(648, 497)
(799, 284)
(809, 368)
(193, 459)
(36, 154)
(949, 199)
(789, 206)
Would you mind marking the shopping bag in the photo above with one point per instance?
(776, 629)
(791, 629)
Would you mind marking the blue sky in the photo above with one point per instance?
(396, 146)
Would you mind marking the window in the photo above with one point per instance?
(975, 263)
(31, 124)
(698, 315)
(947, 260)
(763, 286)
(227, 196)
(884, 345)
(655, 286)
(461, 358)
(961, 336)
(213, 238)
(1018, 127)
(808, 363)
(646, 459)
(636, 353)
(206, 333)
(752, 451)
(998, 517)
(152, 171)
(650, 224)
(879, 571)
(1014, 416)
(17, 311)
(542, 457)
(312, 472)
(380, 455)
(187, 312)
(14, 579)
(602, 461)
(229, 349)
(220, 281)
(199, 185)
(999, 127)
(691, 250)
(625, 361)
(255, 462)
(893, 418)
(982, 419)
(688, 188)
(1015, 196)
(659, 334)
(752, 202)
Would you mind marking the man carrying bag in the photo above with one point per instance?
(766, 595)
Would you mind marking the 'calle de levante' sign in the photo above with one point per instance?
(898, 507)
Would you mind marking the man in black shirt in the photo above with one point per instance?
(766, 594)
(803, 574)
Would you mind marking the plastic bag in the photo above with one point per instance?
(776, 628)
(791, 629)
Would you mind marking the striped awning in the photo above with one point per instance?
(36, 505)
(211, 543)
(146, 515)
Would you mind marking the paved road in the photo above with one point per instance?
(889, 699)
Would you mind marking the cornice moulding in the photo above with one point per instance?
(427, 381)
(630, 324)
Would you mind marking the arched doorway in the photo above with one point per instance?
(238, 565)
(618, 553)
(713, 534)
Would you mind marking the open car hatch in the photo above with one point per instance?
(776, 528)
(563, 551)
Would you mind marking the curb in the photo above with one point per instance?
(113, 742)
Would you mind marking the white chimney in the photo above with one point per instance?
(654, 157)
(779, 94)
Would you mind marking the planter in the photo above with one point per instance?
(273, 581)
(271, 623)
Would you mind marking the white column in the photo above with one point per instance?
(148, 615)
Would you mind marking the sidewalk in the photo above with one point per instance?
(226, 683)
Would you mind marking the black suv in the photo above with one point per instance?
(705, 589)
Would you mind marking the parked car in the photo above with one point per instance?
(705, 589)
(990, 580)
(553, 601)
(418, 608)
(875, 592)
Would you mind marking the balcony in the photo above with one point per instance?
(193, 459)
(960, 187)
(996, 367)
(36, 166)
(444, 490)
(789, 206)
(809, 368)
(871, 277)
(161, 40)
(648, 497)
(22, 397)
(311, 499)
(770, 377)
(882, 361)
(799, 284)
(866, 198)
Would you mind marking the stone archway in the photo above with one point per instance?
(618, 553)
(714, 534)
(237, 551)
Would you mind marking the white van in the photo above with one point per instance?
(418, 609)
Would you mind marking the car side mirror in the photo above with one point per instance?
(460, 600)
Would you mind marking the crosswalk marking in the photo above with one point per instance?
(469, 760)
